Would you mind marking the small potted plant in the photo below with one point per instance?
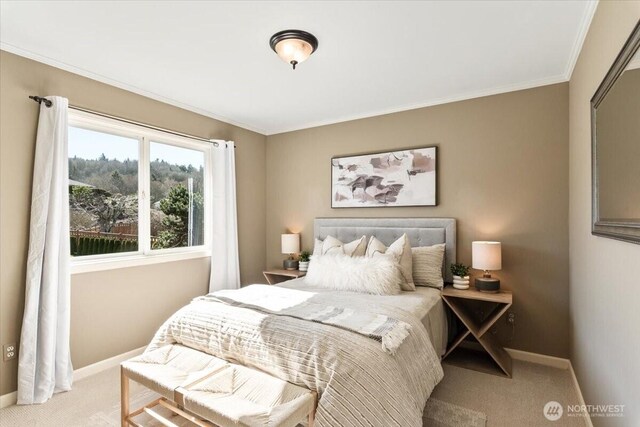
(303, 265)
(460, 276)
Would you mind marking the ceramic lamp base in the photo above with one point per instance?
(290, 264)
(488, 284)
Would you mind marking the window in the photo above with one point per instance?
(136, 195)
(103, 192)
(176, 193)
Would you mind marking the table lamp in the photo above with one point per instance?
(290, 245)
(487, 256)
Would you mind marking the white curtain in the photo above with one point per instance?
(44, 358)
(225, 264)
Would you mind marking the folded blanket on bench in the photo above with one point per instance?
(295, 303)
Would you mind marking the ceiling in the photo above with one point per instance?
(373, 57)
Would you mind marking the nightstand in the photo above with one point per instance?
(277, 276)
(488, 356)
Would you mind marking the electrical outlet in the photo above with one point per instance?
(9, 351)
(511, 318)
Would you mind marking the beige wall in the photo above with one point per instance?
(605, 273)
(502, 172)
(116, 311)
(618, 128)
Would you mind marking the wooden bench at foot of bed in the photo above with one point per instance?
(209, 391)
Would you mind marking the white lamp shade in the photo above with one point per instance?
(486, 255)
(290, 243)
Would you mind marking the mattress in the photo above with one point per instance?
(424, 303)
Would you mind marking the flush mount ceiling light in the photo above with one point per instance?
(293, 46)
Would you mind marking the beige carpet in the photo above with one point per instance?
(461, 399)
(511, 402)
(95, 401)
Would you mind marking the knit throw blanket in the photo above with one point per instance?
(299, 304)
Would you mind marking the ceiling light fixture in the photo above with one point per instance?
(293, 46)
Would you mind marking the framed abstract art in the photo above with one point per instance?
(385, 179)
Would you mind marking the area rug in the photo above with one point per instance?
(442, 414)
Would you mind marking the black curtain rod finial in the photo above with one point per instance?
(40, 100)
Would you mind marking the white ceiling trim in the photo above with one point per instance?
(589, 12)
(98, 77)
(462, 97)
(448, 100)
(633, 64)
(471, 95)
(566, 76)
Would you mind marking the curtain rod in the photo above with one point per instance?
(48, 103)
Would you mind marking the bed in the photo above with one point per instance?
(426, 303)
(358, 382)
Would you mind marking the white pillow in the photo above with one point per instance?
(378, 276)
(331, 245)
(401, 251)
(427, 265)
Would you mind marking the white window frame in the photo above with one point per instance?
(145, 255)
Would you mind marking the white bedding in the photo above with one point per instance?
(424, 303)
(359, 384)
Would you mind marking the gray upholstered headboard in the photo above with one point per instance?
(421, 232)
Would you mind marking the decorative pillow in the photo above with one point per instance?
(401, 251)
(331, 245)
(427, 265)
(378, 276)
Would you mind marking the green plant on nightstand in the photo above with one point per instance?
(460, 276)
(305, 256)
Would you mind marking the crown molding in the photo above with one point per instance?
(564, 77)
(635, 63)
(585, 24)
(116, 83)
(589, 12)
(440, 101)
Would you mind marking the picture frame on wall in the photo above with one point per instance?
(406, 177)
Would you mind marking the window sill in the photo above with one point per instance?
(88, 266)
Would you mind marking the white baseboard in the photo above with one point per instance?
(540, 359)
(103, 365)
(554, 362)
(78, 374)
(8, 399)
(587, 420)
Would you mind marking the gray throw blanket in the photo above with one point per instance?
(295, 303)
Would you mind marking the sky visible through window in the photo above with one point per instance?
(123, 148)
